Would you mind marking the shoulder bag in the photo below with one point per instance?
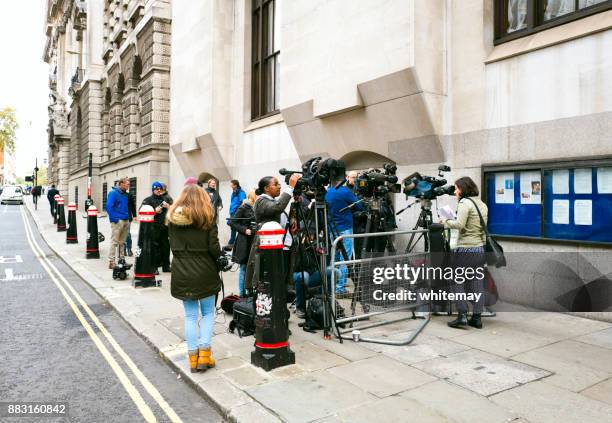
(493, 251)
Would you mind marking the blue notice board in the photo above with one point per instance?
(573, 204)
(510, 216)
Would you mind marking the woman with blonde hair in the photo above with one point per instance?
(243, 222)
(195, 280)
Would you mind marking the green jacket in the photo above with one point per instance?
(195, 251)
(471, 232)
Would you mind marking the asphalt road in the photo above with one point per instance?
(47, 354)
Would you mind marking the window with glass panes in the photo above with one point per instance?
(518, 18)
(266, 55)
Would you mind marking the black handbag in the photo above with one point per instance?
(493, 251)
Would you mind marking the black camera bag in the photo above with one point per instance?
(243, 317)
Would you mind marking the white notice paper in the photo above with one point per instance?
(504, 188)
(583, 212)
(560, 212)
(531, 188)
(560, 181)
(446, 213)
(604, 180)
(583, 181)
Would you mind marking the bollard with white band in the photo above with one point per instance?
(92, 249)
(61, 215)
(271, 314)
(144, 269)
(71, 233)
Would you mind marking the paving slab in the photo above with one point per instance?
(309, 397)
(247, 376)
(503, 341)
(458, 404)
(251, 413)
(424, 347)
(601, 391)
(576, 365)
(391, 409)
(560, 326)
(602, 338)
(312, 357)
(481, 372)
(381, 376)
(223, 393)
(541, 402)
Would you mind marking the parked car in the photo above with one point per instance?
(11, 194)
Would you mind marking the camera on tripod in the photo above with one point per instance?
(377, 183)
(316, 174)
(427, 187)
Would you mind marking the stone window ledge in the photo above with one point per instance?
(268, 121)
(557, 35)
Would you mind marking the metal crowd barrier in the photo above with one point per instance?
(369, 307)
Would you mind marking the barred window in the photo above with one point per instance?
(518, 18)
(104, 194)
(266, 55)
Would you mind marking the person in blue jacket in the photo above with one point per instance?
(119, 215)
(238, 196)
(338, 199)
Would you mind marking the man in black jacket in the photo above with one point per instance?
(160, 203)
(215, 198)
(132, 213)
(52, 192)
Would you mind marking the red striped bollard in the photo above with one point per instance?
(61, 215)
(271, 331)
(71, 234)
(55, 198)
(92, 250)
(145, 266)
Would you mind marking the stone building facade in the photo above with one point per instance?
(267, 84)
(109, 80)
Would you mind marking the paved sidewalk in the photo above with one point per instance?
(522, 367)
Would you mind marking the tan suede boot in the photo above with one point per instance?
(193, 361)
(205, 359)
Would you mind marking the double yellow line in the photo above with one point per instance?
(56, 277)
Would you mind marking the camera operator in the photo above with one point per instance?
(161, 202)
(470, 251)
(338, 199)
(267, 209)
(350, 179)
(244, 224)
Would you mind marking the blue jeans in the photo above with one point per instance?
(348, 246)
(192, 309)
(311, 280)
(241, 275)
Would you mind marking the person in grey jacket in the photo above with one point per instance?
(470, 251)
(268, 209)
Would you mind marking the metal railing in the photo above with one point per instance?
(378, 298)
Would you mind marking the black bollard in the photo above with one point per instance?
(92, 250)
(71, 234)
(55, 198)
(61, 215)
(271, 331)
(144, 269)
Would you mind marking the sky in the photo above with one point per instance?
(24, 78)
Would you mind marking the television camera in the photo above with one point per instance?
(427, 187)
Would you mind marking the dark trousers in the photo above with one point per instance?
(52, 207)
(469, 258)
(161, 245)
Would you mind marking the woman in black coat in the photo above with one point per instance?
(195, 280)
(244, 218)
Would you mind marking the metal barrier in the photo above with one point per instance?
(380, 298)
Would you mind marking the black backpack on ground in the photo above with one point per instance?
(244, 317)
(314, 314)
